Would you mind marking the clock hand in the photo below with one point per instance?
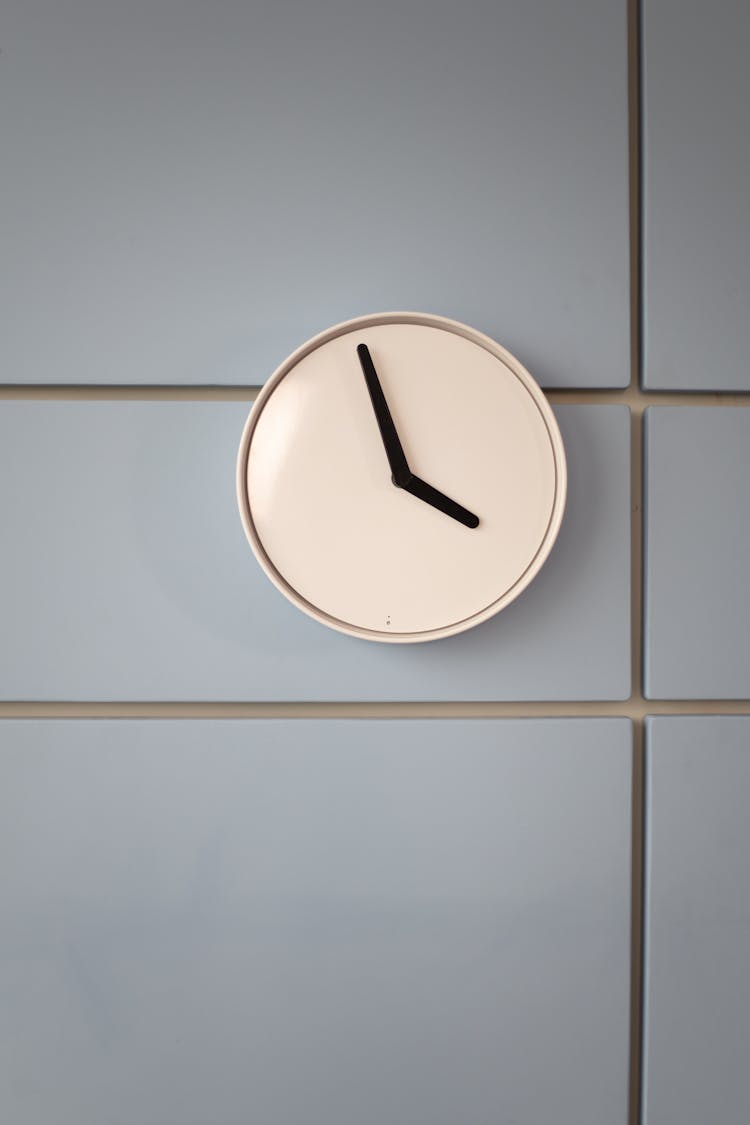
(423, 491)
(400, 471)
(401, 474)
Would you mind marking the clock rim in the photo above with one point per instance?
(428, 320)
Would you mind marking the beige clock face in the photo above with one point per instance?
(321, 510)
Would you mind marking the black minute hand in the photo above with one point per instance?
(393, 450)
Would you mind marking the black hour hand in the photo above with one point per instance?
(400, 471)
(424, 491)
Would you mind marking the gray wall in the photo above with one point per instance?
(250, 869)
(192, 191)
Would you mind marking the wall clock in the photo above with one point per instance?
(401, 477)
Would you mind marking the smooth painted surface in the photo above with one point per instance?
(288, 922)
(125, 574)
(316, 488)
(697, 996)
(697, 621)
(696, 203)
(190, 191)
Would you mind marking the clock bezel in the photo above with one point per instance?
(558, 452)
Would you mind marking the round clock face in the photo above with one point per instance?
(401, 477)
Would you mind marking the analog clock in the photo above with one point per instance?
(401, 477)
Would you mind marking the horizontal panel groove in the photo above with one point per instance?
(636, 709)
(633, 397)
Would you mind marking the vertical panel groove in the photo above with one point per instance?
(636, 354)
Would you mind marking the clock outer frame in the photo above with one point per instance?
(427, 320)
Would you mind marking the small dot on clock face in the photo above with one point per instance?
(326, 512)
